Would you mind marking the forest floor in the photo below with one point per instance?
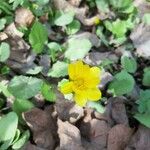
(40, 41)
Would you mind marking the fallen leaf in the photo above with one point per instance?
(24, 17)
(95, 41)
(106, 77)
(11, 30)
(96, 58)
(140, 140)
(75, 2)
(68, 111)
(141, 40)
(116, 112)
(118, 137)
(30, 146)
(94, 131)
(41, 126)
(70, 138)
(45, 63)
(142, 6)
(98, 133)
(3, 36)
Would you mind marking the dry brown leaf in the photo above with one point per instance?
(41, 125)
(11, 30)
(30, 146)
(141, 40)
(140, 140)
(75, 2)
(23, 17)
(92, 37)
(142, 6)
(3, 36)
(96, 58)
(68, 111)
(99, 132)
(94, 131)
(116, 112)
(70, 138)
(119, 137)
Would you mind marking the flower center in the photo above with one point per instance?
(79, 84)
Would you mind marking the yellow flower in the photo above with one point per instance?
(83, 83)
(97, 21)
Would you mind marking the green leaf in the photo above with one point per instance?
(102, 5)
(122, 84)
(146, 18)
(59, 69)
(38, 37)
(5, 8)
(23, 139)
(144, 101)
(4, 51)
(77, 48)
(17, 135)
(16, 3)
(48, 92)
(2, 23)
(97, 106)
(35, 70)
(8, 127)
(120, 4)
(54, 46)
(100, 33)
(73, 27)
(3, 89)
(20, 106)
(118, 27)
(23, 87)
(129, 64)
(143, 118)
(143, 108)
(43, 2)
(63, 18)
(53, 49)
(146, 77)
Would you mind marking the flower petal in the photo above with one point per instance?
(93, 78)
(74, 69)
(95, 71)
(66, 88)
(94, 94)
(81, 99)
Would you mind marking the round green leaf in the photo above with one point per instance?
(20, 106)
(48, 92)
(73, 27)
(63, 18)
(77, 48)
(143, 119)
(122, 84)
(23, 87)
(4, 51)
(8, 127)
(59, 69)
(129, 64)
